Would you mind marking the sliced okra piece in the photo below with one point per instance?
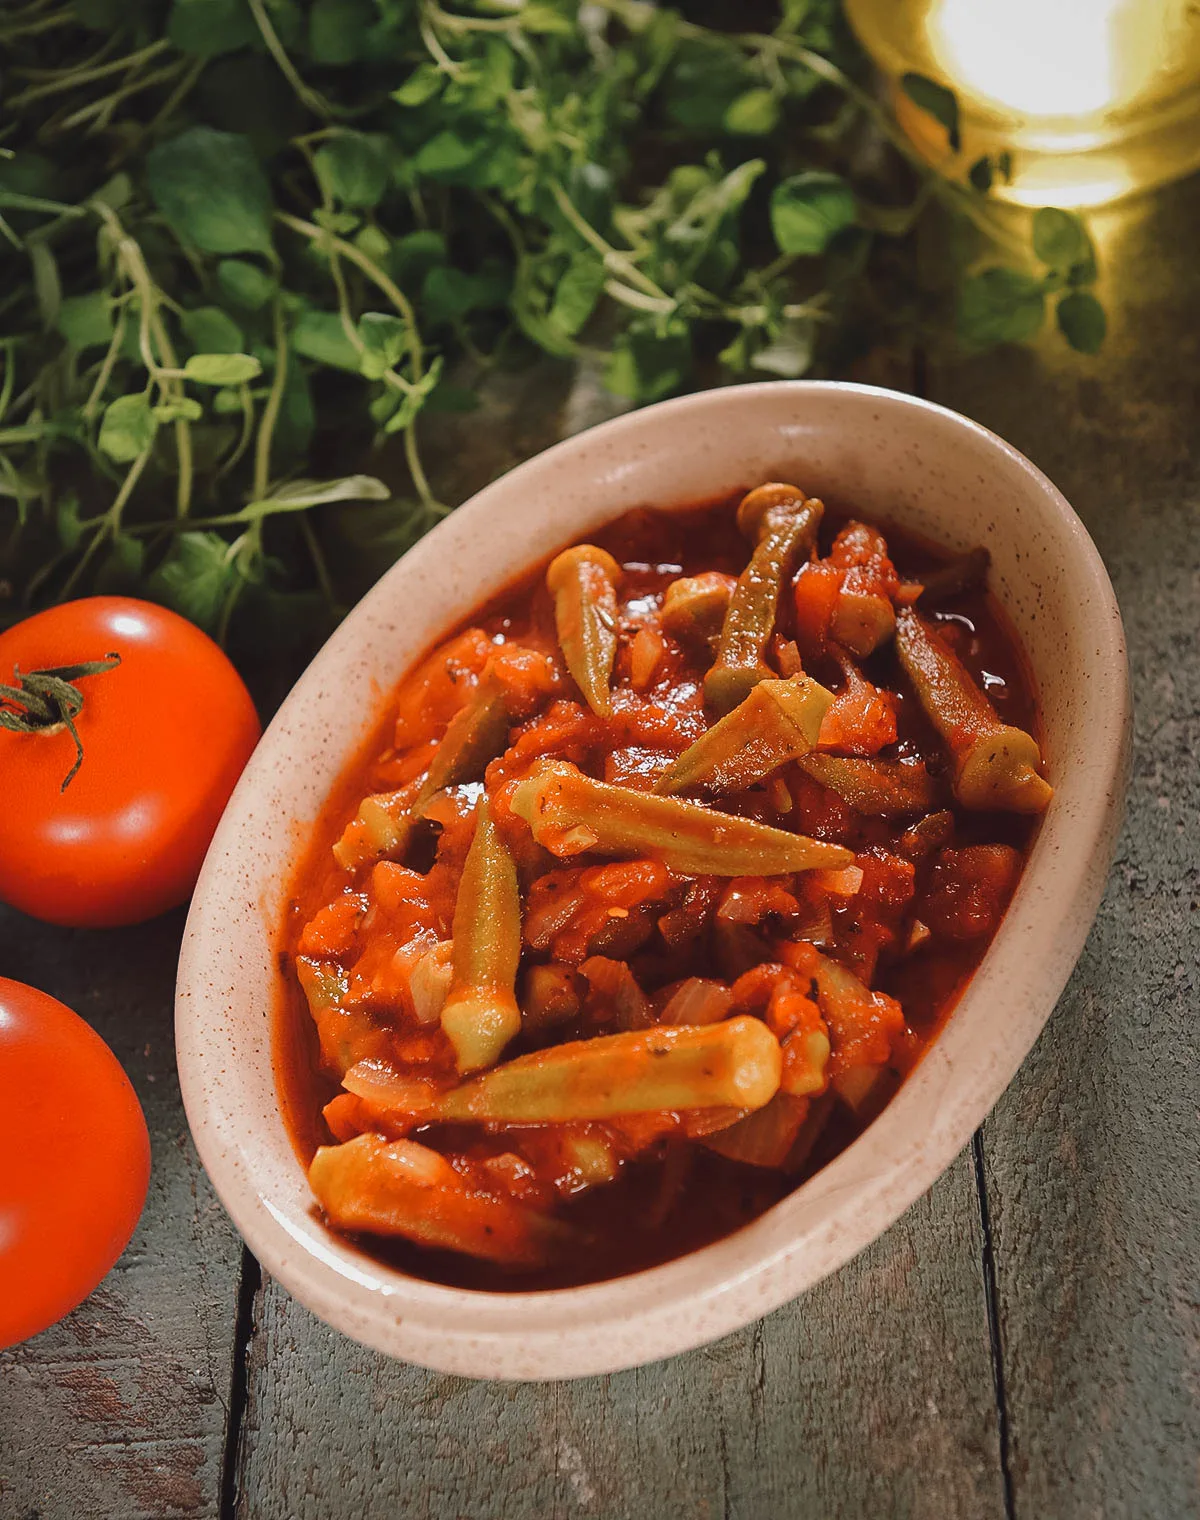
(994, 764)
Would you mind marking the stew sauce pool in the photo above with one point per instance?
(849, 965)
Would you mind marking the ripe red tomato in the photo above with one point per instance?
(165, 735)
(74, 1160)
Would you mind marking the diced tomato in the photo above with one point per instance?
(527, 677)
(815, 590)
(330, 932)
(969, 890)
(861, 720)
(346, 1116)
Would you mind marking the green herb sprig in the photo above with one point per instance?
(252, 241)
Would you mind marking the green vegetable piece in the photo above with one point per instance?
(878, 788)
(782, 523)
(995, 765)
(400, 1188)
(570, 813)
(777, 722)
(212, 190)
(480, 1014)
(476, 734)
(324, 983)
(734, 1064)
(346, 1035)
(809, 209)
(582, 582)
(127, 429)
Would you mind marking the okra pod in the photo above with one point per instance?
(385, 822)
(570, 813)
(775, 723)
(400, 1188)
(734, 1064)
(480, 1014)
(345, 1035)
(582, 582)
(695, 605)
(994, 764)
(878, 788)
(782, 524)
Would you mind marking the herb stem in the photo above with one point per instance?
(307, 96)
(70, 79)
(266, 428)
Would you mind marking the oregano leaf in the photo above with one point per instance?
(809, 209)
(1081, 321)
(127, 428)
(1000, 305)
(936, 101)
(222, 369)
(212, 190)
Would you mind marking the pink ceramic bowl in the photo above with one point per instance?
(892, 458)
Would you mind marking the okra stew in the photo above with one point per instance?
(657, 879)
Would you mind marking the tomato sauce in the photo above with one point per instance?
(676, 1193)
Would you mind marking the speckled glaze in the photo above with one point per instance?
(893, 458)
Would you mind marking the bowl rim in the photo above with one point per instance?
(561, 1332)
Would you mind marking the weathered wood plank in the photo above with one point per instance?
(120, 1410)
(871, 1395)
(1092, 1158)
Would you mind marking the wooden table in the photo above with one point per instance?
(1023, 1342)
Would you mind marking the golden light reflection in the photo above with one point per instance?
(1092, 98)
(1072, 71)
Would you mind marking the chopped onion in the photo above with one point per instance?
(380, 1085)
(429, 982)
(698, 1000)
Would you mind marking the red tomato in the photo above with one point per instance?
(165, 736)
(74, 1160)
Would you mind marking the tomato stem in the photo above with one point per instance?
(48, 699)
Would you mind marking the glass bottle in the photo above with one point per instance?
(1092, 99)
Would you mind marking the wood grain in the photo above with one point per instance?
(872, 1395)
(1092, 1156)
(120, 1410)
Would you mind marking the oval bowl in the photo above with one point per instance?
(891, 457)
